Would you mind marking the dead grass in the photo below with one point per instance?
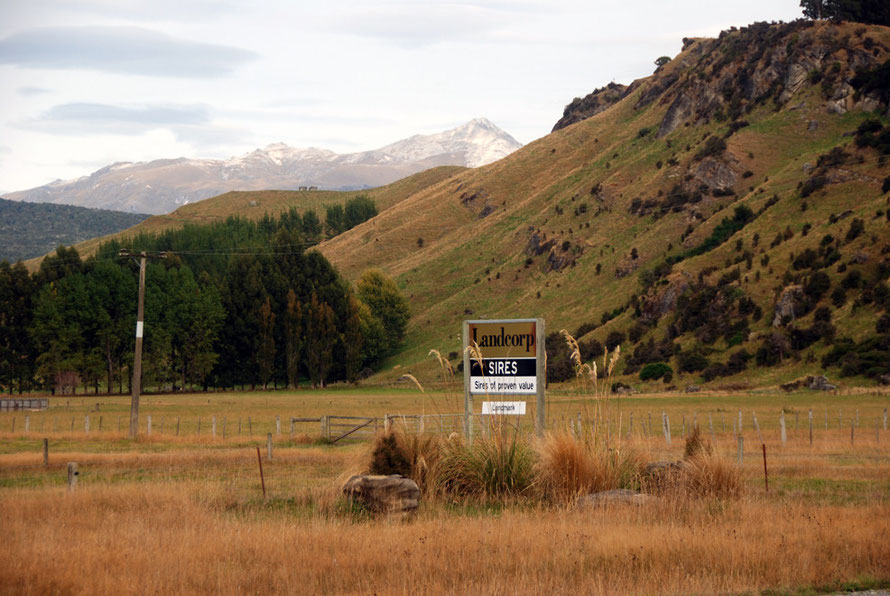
(568, 467)
(187, 539)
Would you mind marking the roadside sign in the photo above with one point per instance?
(504, 357)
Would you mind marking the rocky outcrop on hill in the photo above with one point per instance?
(725, 78)
(591, 104)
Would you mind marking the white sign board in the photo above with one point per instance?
(505, 408)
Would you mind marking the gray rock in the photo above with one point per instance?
(812, 126)
(692, 388)
(383, 494)
(788, 304)
(621, 495)
(820, 383)
(884, 380)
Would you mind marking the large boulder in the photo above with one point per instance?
(820, 383)
(620, 496)
(383, 494)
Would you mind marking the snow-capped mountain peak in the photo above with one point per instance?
(163, 185)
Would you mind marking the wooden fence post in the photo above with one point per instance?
(213, 426)
(711, 426)
(387, 424)
(269, 445)
(86, 424)
(148, 425)
(199, 425)
(741, 448)
(239, 426)
(782, 428)
(666, 427)
(765, 475)
(852, 427)
(72, 476)
(811, 426)
(885, 418)
(277, 424)
(100, 423)
(421, 424)
(740, 422)
(177, 426)
(27, 423)
(45, 452)
(756, 426)
(260, 462)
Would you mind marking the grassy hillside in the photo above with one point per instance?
(254, 204)
(554, 230)
(31, 229)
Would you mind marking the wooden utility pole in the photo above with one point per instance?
(137, 352)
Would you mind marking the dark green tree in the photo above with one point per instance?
(16, 352)
(266, 353)
(321, 334)
(333, 220)
(293, 343)
(358, 209)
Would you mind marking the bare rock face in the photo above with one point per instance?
(664, 301)
(715, 173)
(383, 494)
(788, 305)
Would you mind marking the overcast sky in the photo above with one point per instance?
(86, 83)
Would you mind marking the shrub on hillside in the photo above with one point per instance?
(614, 339)
(714, 146)
(655, 371)
(691, 361)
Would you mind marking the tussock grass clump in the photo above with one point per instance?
(696, 444)
(710, 476)
(705, 473)
(567, 467)
(415, 456)
(497, 466)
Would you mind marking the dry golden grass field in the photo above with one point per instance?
(186, 514)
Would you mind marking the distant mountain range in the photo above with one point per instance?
(29, 230)
(163, 185)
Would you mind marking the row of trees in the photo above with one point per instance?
(235, 303)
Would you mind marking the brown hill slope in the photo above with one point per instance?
(577, 226)
(255, 204)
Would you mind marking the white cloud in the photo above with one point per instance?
(121, 50)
